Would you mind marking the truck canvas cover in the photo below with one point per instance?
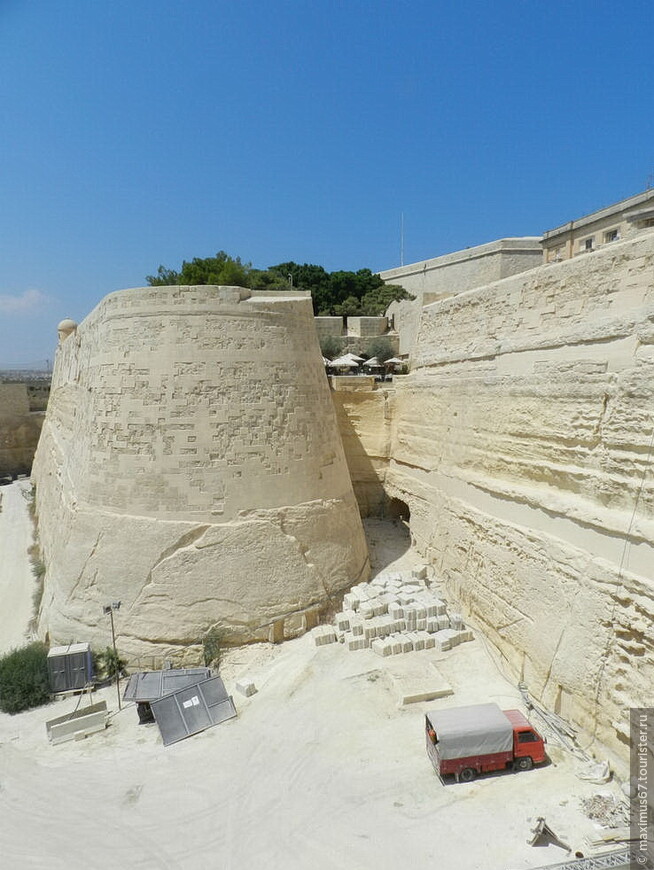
(480, 729)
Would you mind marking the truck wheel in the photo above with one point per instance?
(467, 774)
(524, 763)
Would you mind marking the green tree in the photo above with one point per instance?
(381, 348)
(331, 346)
(337, 293)
(24, 678)
(221, 269)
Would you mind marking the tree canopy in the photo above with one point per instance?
(338, 293)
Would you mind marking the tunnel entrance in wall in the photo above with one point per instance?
(396, 509)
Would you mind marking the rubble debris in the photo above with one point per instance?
(605, 809)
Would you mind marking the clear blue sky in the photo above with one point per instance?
(140, 132)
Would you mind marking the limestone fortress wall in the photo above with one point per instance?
(522, 442)
(190, 467)
(20, 427)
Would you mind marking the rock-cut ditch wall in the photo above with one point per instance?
(190, 467)
(522, 442)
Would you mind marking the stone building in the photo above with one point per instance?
(441, 277)
(622, 220)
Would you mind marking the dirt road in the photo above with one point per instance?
(17, 581)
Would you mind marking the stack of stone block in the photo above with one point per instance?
(394, 613)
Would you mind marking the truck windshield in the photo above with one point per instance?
(527, 737)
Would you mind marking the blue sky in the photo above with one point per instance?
(140, 132)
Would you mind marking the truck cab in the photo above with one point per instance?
(528, 745)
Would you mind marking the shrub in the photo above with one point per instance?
(381, 348)
(331, 345)
(24, 678)
(212, 648)
(109, 664)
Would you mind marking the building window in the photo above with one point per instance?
(586, 244)
(611, 235)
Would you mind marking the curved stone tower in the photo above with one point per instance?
(190, 466)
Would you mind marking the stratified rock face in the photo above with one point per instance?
(190, 467)
(523, 444)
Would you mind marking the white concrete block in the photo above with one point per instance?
(246, 687)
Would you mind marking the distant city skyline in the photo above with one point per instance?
(140, 134)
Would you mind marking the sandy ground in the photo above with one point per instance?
(320, 771)
(17, 582)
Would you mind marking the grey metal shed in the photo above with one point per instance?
(192, 709)
(70, 668)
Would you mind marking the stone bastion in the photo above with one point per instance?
(190, 466)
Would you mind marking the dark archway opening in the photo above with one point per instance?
(397, 509)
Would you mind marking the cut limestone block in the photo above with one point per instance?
(351, 601)
(381, 647)
(466, 635)
(416, 680)
(432, 624)
(366, 610)
(456, 621)
(407, 644)
(324, 634)
(396, 610)
(430, 641)
(421, 624)
(354, 643)
(418, 640)
(369, 631)
(246, 687)
(452, 634)
(342, 622)
(396, 640)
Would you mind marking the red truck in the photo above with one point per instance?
(465, 741)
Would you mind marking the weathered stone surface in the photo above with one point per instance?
(190, 466)
(523, 448)
(20, 427)
(522, 443)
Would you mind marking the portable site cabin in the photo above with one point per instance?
(70, 668)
